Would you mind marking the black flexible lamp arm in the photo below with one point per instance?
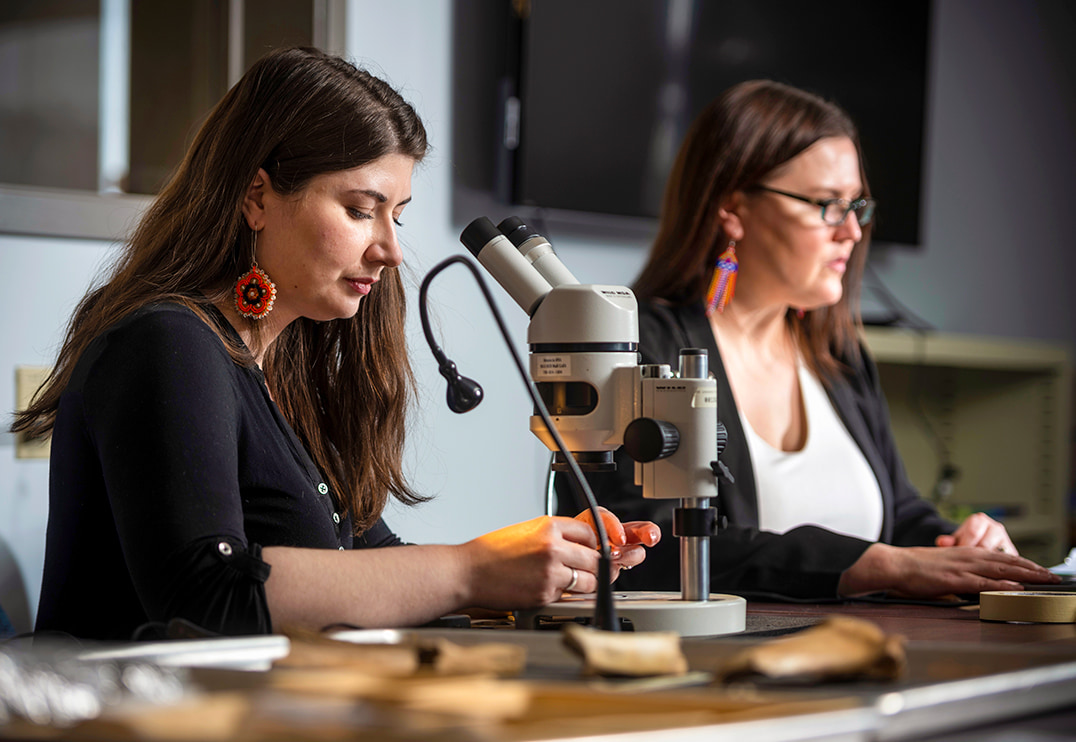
(604, 610)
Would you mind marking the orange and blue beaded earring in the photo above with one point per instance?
(254, 292)
(723, 283)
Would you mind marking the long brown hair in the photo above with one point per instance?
(343, 385)
(736, 142)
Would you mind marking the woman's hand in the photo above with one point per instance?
(626, 540)
(530, 564)
(526, 565)
(929, 572)
(979, 529)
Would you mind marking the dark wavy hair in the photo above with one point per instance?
(736, 142)
(343, 385)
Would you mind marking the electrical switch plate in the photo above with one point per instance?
(28, 379)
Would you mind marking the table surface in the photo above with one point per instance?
(930, 623)
(965, 678)
(944, 639)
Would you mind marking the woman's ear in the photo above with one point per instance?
(729, 216)
(254, 201)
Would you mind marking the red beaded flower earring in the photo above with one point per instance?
(254, 292)
(723, 283)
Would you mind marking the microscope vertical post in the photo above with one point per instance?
(694, 549)
(695, 558)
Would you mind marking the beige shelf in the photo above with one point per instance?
(1000, 409)
(895, 345)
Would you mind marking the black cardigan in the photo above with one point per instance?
(805, 562)
(171, 467)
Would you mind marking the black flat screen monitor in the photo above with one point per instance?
(599, 94)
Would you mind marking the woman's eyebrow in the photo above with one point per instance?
(837, 192)
(378, 195)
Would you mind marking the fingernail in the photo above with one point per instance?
(614, 553)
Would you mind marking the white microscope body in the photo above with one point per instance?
(584, 361)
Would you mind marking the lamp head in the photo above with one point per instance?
(463, 394)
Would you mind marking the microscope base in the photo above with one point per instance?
(654, 611)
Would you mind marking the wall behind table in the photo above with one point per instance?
(41, 280)
(998, 255)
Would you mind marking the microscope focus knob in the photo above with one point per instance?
(646, 439)
(722, 438)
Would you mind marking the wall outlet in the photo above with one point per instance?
(28, 379)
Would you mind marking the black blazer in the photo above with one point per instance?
(806, 562)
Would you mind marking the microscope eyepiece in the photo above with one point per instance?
(478, 234)
(537, 250)
(516, 230)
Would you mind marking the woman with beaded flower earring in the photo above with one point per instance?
(758, 259)
(228, 408)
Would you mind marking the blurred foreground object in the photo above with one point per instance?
(632, 654)
(841, 647)
(55, 688)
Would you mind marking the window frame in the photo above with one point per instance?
(103, 215)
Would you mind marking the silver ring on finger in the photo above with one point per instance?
(575, 579)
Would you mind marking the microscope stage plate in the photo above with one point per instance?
(653, 611)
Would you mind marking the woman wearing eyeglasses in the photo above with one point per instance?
(758, 259)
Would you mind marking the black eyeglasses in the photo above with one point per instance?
(834, 210)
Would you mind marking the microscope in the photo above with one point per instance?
(584, 362)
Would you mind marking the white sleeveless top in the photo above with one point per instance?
(828, 483)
